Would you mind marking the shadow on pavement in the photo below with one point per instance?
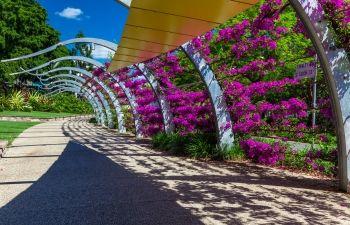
(85, 187)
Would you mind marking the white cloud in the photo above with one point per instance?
(102, 52)
(71, 13)
(126, 2)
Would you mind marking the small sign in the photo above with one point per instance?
(306, 70)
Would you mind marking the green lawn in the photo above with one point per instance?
(35, 114)
(10, 130)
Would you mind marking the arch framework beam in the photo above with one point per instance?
(106, 89)
(133, 104)
(162, 101)
(99, 95)
(111, 95)
(222, 116)
(336, 67)
(100, 42)
(98, 100)
(80, 91)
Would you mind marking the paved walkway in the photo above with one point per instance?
(71, 173)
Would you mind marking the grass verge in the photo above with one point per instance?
(35, 114)
(10, 130)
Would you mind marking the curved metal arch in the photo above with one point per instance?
(102, 113)
(99, 94)
(223, 121)
(86, 96)
(114, 99)
(58, 60)
(73, 76)
(133, 104)
(336, 67)
(162, 101)
(101, 116)
(79, 85)
(112, 96)
(131, 98)
(93, 100)
(100, 42)
(164, 105)
(53, 84)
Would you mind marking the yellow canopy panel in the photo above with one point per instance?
(158, 26)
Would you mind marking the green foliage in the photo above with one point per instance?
(35, 114)
(202, 146)
(17, 101)
(295, 160)
(175, 143)
(35, 101)
(159, 140)
(66, 102)
(3, 103)
(82, 49)
(235, 153)
(329, 166)
(10, 130)
(24, 30)
(27, 108)
(321, 159)
(128, 118)
(198, 145)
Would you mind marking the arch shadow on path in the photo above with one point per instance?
(85, 187)
(223, 193)
(104, 178)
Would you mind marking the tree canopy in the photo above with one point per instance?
(24, 29)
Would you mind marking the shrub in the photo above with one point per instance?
(159, 141)
(17, 101)
(196, 145)
(235, 153)
(3, 103)
(264, 153)
(201, 147)
(36, 101)
(295, 159)
(69, 103)
(323, 159)
(27, 108)
(176, 144)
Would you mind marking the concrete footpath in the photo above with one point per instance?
(69, 172)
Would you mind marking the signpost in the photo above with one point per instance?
(306, 70)
(309, 70)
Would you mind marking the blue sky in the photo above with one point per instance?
(99, 19)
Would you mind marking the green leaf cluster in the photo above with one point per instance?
(23, 30)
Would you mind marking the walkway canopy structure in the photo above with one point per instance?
(157, 26)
